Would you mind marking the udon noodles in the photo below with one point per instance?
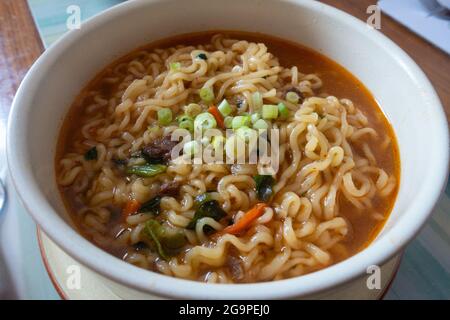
(222, 222)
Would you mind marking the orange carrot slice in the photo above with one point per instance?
(130, 208)
(243, 223)
(217, 115)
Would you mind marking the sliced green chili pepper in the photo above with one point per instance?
(147, 170)
(167, 241)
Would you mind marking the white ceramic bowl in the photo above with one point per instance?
(401, 88)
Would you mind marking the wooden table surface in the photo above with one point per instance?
(20, 46)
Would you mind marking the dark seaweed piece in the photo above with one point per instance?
(210, 209)
(140, 246)
(91, 154)
(264, 185)
(152, 206)
(202, 198)
(119, 162)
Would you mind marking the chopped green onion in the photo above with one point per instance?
(269, 111)
(261, 124)
(164, 116)
(205, 141)
(206, 94)
(175, 66)
(183, 117)
(228, 122)
(153, 129)
(192, 109)
(292, 97)
(255, 117)
(218, 143)
(187, 124)
(205, 121)
(202, 56)
(91, 154)
(246, 134)
(283, 110)
(240, 121)
(147, 170)
(225, 108)
(233, 147)
(191, 148)
(257, 99)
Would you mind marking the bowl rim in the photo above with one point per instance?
(113, 268)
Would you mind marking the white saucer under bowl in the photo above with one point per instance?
(62, 270)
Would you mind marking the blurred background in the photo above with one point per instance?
(27, 28)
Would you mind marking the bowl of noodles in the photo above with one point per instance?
(185, 150)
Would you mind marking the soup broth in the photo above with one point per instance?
(335, 186)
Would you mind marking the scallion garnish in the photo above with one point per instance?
(257, 100)
(164, 116)
(246, 134)
(218, 143)
(227, 121)
(225, 108)
(269, 111)
(292, 97)
(206, 94)
(255, 117)
(240, 121)
(283, 110)
(186, 122)
(147, 170)
(261, 124)
(191, 148)
(205, 121)
(175, 66)
(192, 109)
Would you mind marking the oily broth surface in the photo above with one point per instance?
(337, 82)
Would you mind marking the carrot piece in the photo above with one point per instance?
(217, 115)
(131, 207)
(243, 223)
